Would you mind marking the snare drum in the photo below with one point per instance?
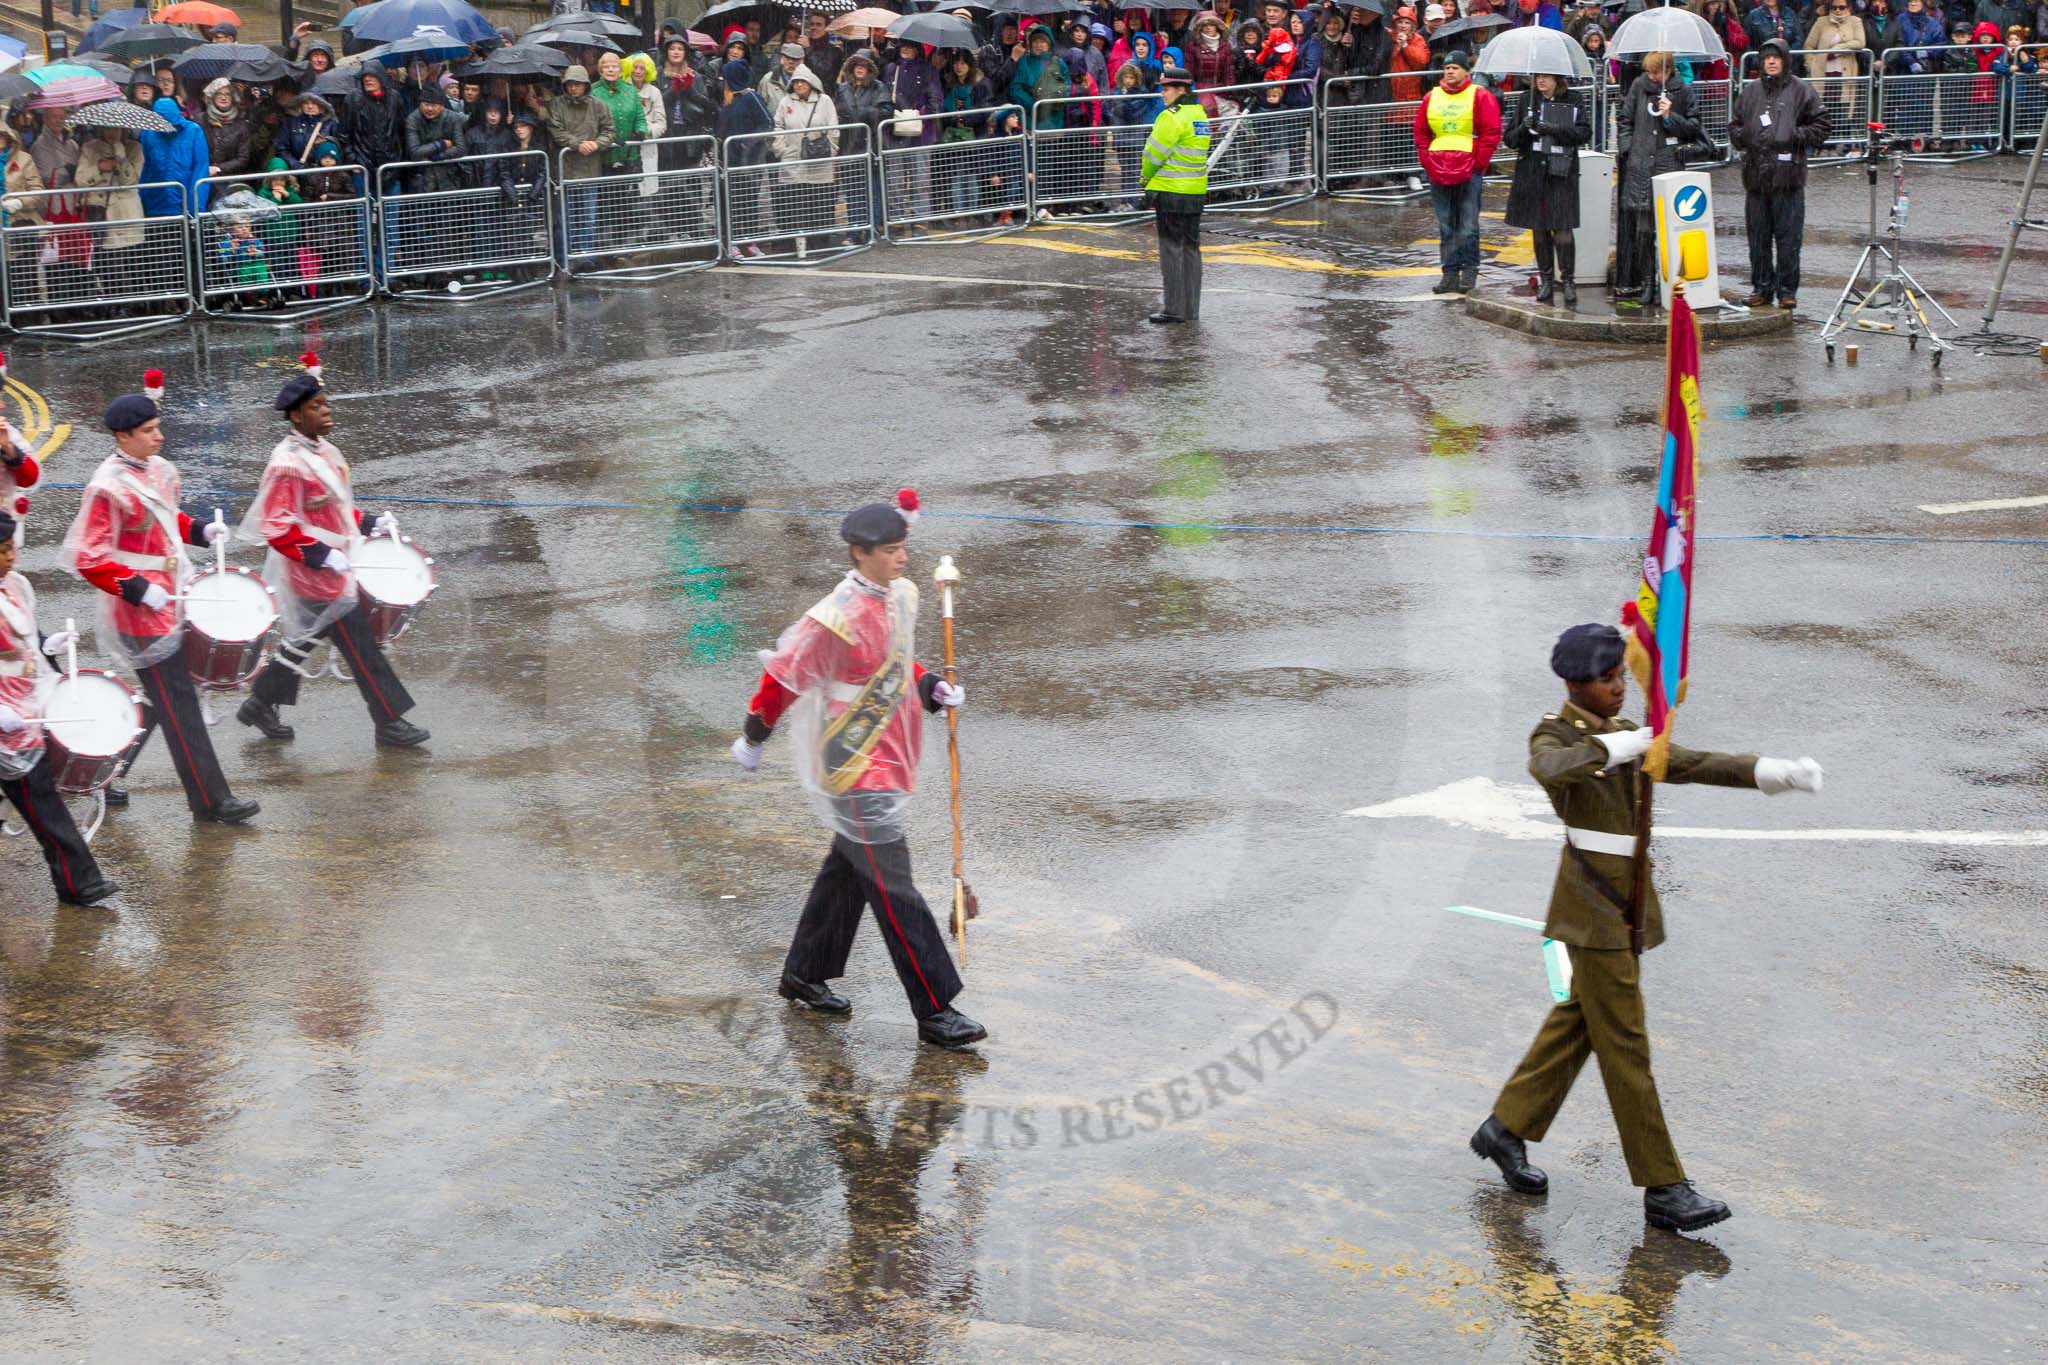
(228, 616)
(95, 721)
(395, 577)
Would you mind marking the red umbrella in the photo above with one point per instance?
(198, 13)
(702, 42)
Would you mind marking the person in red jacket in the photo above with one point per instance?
(129, 541)
(1457, 131)
(305, 511)
(847, 675)
(1277, 54)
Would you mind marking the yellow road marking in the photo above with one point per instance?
(1260, 254)
(36, 424)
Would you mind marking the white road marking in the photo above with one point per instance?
(1949, 509)
(1521, 811)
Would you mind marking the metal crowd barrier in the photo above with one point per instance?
(1713, 104)
(1851, 100)
(1084, 170)
(639, 226)
(2027, 100)
(290, 261)
(64, 277)
(1368, 150)
(1514, 104)
(1265, 154)
(802, 197)
(1966, 108)
(970, 183)
(472, 226)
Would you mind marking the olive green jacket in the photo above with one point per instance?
(1588, 795)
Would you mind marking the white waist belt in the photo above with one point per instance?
(1599, 841)
(130, 559)
(846, 692)
(17, 668)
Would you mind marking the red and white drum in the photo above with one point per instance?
(94, 720)
(228, 616)
(395, 577)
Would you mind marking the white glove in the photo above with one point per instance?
(217, 531)
(155, 598)
(384, 525)
(60, 642)
(1624, 745)
(11, 721)
(746, 753)
(336, 561)
(949, 694)
(1776, 775)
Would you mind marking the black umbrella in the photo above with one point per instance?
(610, 25)
(574, 37)
(742, 13)
(934, 30)
(1373, 5)
(210, 60)
(831, 8)
(148, 40)
(117, 72)
(335, 84)
(119, 114)
(1458, 28)
(15, 86)
(1035, 8)
(520, 61)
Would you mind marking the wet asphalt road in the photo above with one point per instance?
(470, 1053)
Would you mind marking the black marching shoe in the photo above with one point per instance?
(235, 810)
(1493, 1142)
(1447, 285)
(950, 1028)
(116, 796)
(816, 994)
(263, 715)
(401, 734)
(91, 895)
(1681, 1208)
(1165, 319)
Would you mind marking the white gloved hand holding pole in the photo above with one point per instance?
(1624, 745)
(746, 753)
(60, 642)
(216, 532)
(155, 598)
(11, 721)
(336, 561)
(949, 694)
(384, 525)
(1777, 775)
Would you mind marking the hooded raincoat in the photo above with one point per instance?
(177, 157)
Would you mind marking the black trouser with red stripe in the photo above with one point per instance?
(878, 875)
(35, 795)
(383, 693)
(174, 707)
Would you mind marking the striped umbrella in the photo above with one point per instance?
(65, 86)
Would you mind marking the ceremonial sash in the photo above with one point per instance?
(848, 743)
(315, 464)
(166, 517)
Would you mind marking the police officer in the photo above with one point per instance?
(1584, 754)
(1175, 172)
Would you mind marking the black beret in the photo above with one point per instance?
(1176, 75)
(875, 524)
(1585, 652)
(129, 411)
(296, 390)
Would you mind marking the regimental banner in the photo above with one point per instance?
(1658, 622)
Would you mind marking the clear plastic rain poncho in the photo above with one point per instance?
(305, 488)
(24, 676)
(855, 725)
(129, 516)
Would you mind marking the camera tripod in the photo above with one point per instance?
(1893, 304)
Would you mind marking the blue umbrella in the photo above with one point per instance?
(428, 45)
(358, 14)
(119, 21)
(395, 19)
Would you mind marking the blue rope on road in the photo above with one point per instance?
(1114, 524)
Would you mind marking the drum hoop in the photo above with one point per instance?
(269, 599)
(426, 564)
(51, 734)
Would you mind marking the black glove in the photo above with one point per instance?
(925, 686)
(756, 730)
(314, 555)
(132, 587)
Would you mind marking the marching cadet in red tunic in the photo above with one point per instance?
(305, 512)
(24, 776)
(129, 541)
(846, 675)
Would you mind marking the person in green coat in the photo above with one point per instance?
(1585, 755)
(629, 118)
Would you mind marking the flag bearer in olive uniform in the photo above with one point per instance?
(1175, 172)
(1585, 757)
